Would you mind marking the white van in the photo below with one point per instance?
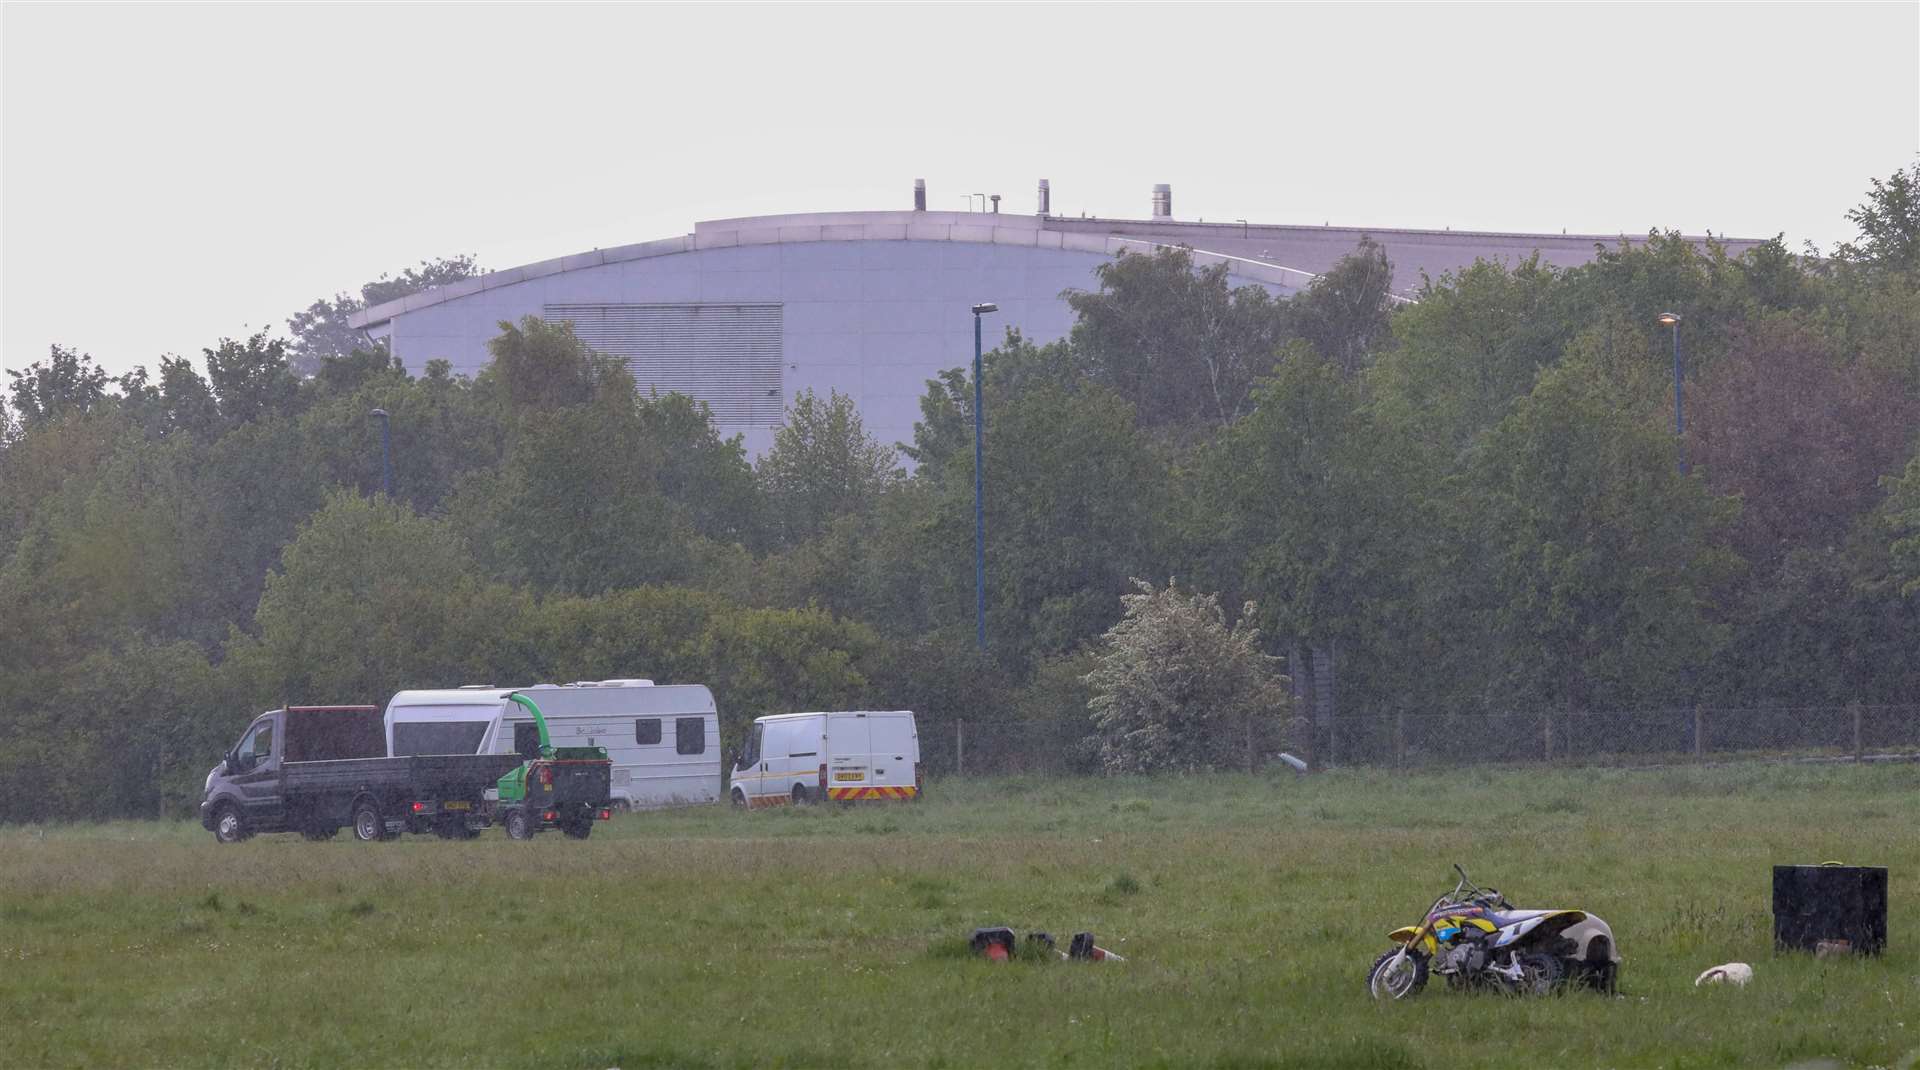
(664, 740)
(807, 757)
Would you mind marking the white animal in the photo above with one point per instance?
(1732, 973)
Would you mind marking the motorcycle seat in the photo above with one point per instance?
(1503, 918)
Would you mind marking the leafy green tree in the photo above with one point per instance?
(575, 505)
(1176, 342)
(322, 330)
(1345, 313)
(1469, 348)
(1799, 435)
(705, 474)
(188, 406)
(823, 465)
(1889, 222)
(541, 366)
(252, 379)
(1075, 502)
(67, 382)
(1310, 506)
(1902, 519)
(1603, 562)
(1175, 685)
(369, 598)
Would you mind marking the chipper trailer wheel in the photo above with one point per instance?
(519, 825)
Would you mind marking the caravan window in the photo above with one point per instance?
(437, 737)
(646, 730)
(690, 735)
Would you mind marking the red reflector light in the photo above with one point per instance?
(417, 807)
(546, 774)
(549, 816)
(606, 815)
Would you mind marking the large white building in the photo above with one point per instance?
(744, 314)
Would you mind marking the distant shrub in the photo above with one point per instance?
(1175, 687)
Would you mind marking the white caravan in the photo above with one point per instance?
(807, 757)
(664, 740)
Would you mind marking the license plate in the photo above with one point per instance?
(456, 806)
(849, 776)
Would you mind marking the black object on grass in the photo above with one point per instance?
(1823, 904)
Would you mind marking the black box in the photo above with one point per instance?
(1816, 903)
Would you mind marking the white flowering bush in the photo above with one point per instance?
(1175, 688)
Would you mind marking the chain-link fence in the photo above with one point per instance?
(1415, 739)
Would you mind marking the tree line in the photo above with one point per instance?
(1471, 503)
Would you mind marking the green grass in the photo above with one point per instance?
(1249, 908)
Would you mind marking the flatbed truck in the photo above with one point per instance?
(317, 769)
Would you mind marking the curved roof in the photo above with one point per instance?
(1284, 256)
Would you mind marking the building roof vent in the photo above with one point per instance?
(919, 194)
(1162, 201)
(1046, 199)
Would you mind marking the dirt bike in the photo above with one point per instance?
(1475, 939)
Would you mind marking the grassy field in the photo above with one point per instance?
(1249, 907)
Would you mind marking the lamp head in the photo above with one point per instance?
(1669, 319)
(985, 307)
(381, 413)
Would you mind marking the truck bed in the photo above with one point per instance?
(425, 775)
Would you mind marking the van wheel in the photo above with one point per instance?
(800, 796)
(519, 825)
(368, 826)
(737, 799)
(229, 826)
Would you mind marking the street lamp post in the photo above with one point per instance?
(1672, 319)
(386, 451)
(979, 511)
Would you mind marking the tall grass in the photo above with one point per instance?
(1249, 908)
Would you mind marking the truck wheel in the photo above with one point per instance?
(453, 829)
(368, 826)
(325, 832)
(229, 826)
(578, 828)
(519, 825)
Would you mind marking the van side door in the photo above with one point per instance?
(258, 781)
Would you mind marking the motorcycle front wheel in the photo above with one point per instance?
(1391, 979)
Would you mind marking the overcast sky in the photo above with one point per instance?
(172, 175)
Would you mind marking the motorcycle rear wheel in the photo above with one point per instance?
(1390, 980)
(1541, 973)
